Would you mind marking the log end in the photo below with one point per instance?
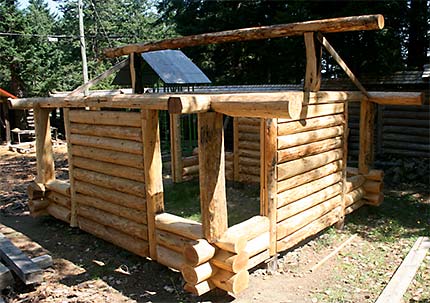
(174, 105)
(295, 108)
(381, 21)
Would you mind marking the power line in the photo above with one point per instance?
(65, 36)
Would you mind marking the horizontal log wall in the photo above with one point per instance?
(190, 167)
(399, 130)
(310, 161)
(108, 176)
(247, 149)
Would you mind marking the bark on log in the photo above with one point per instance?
(59, 186)
(122, 224)
(309, 230)
(114, 118)
(198, 252)
(138, 216)
(110, 169)
(297, 167)
(114, 183)
(307, 189)
(110, 195)
(109, 131)
(309, 149)
(169, 258)
(365, 22)
(195, 275)
(231, 282)
(301, 205)
(110, 156)
(120, 145)
(230, 261)
(292, 224)
(306, 125)
(112, 235)
(314, 174)
(59, 212)
(309, 137)
(179, 226)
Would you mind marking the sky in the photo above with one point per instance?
(51, 4)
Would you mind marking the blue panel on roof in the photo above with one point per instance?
(173, 67)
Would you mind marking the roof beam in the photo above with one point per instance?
(333, 25)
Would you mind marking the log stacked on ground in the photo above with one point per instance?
(371, 190)
(310, 161)
(247, 149)
(107, 156)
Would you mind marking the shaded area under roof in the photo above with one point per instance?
(173, 67)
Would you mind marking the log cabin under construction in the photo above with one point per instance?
(296, 139)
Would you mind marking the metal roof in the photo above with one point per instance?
(173, 67)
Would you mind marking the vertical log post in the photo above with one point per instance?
(153, 174)
(5, 108)
(236, 155)
(340, 223)
(313, 63)
(44, 153)
(268, 176)
(175, 147)
(73, 202)
(367, 119)
(213, 199)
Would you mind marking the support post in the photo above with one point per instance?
(6, 122)
(340, 223)
(73, 202)
(313, 63)
(175, 147)
(153, 174)
(367, 119)
(44, 153)
(268, 177)
(236, 155)
(213, 199)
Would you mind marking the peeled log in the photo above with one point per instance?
(126, 146)
(374, 199)
(59, 186)
(258, 259)
(199, 289)
(132, 244)
(354, 206)
(309, 230)
(190, 161)
(374, 174)
(305, 125)
(172, 241)
(314, 174)
(230, 261)
(110, 131)
(354, 182)
(117, 118)
(307, 189)
(37, 205)
(58, 198)
(299, 166)
(59, 212)
(235, 238)
(122, 224)
(179, 226)
(373, 187)
(292, 224)
(110, 195)
(354, 196)
(169, 258)
(35, 191)
(198, 252)
(196, 275)
(188, 104)
(296, 152)
(231, 282)
(138, 216)
(309, 136)
(110, 156)
(365, 22)
(111, 182)
(258, 244)
(190, 170)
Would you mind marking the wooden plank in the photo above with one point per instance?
(18, 262)
(269, 177)
(175, 147)
(213, 199)
(405, 273)
(44, 152)
(153, 174)
(367, 117)
(367, 22)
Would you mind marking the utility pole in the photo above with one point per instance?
(82, 41)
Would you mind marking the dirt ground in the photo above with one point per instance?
(87, 269)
